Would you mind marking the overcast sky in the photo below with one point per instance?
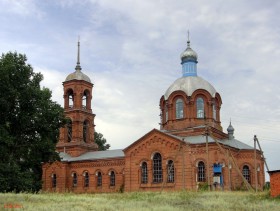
(131, 51)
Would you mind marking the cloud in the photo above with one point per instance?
(52, 79)
(21, 8)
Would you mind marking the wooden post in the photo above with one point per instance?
(184, 168)
(261, 152)
(229, 167)
(207, 162)
(255, 163)
(249, 187)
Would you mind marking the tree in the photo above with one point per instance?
(29, 125)
(101, 141)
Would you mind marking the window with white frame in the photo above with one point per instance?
(144, 173)
(99, 179)
(179, 109)
(112, 178)
(246, 173)
(199, 108)
(214, 111)
(75, 179)
(166, 113)
(201, 172)
(157, 168)
(86, 178)
(170, 171)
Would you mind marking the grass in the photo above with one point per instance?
(184, 200)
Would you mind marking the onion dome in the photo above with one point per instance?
(189, 54)
(189, 61)
(230, 131)
(78, 75)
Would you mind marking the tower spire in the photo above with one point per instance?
(78, 66)
(188, 42)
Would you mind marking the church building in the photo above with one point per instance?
(189, 151)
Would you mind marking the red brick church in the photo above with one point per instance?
(189, 151)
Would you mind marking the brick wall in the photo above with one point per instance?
(274, 183)
(185, 163)
(64, 176)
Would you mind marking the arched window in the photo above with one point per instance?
(246, 173)
(86, 178)
(85, 131)
(69, 130)
(157, 168)
(144, 173)
(179, 109)
(170, 171)
(199, 108)
(99, 179)
(75, 179)
(112, 178)
(201, 172)
(70, 98)
(214, 111)
(85, 99)
(54, 180)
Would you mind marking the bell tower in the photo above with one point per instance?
(77, 136)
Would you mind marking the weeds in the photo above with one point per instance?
(183, 200)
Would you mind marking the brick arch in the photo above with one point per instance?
(162, 101)
(198, 160)
(154, 152)
(172, 104)
(73, 171)
(110, 170)
(84, 171)
(176, 95)
(67, 93)
(245, 164)
(98, 170)
(218, 98)
(169, 158)
(201, 92)
(86, 95)
(207, 98)
(110, 176)
(86, 90)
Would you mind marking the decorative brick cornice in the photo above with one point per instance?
(98, 163)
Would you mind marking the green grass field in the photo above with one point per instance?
(141, 201)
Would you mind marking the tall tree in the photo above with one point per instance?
(101, 141)
(29, 125)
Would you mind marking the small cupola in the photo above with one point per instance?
(230, 131)
(189, 61)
